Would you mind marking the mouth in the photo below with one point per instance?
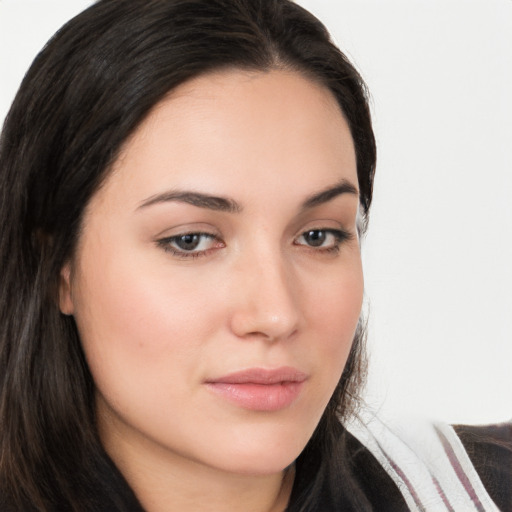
(260, 389)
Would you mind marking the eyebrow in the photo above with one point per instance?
(220, 204)
(328, 194)
(224, 204)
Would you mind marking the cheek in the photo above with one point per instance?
(332, 313)
(335, 304)
(138, 324)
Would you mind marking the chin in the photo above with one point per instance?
(262, 454)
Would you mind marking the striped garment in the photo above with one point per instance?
(427, 462)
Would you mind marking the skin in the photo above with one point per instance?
(156, 325)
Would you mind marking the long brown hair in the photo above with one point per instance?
(85, 93)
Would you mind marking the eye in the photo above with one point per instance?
(323, 239)
(188, 245)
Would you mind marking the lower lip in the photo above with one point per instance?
(259, 397)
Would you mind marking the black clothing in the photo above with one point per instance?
(490, 451)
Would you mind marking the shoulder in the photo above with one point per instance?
(490, 449)
(435, 466)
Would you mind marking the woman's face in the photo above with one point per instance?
(217, 282)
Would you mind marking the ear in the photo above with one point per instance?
(65, 299)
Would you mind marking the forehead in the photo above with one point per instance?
(237, 129)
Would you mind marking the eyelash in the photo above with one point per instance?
(340, 236)
(165, 243)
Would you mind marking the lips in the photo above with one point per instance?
(260, 389)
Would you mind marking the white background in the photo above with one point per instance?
(438, 256)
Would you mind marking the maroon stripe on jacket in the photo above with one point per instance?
(459, 471)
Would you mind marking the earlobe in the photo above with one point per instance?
(65, 300)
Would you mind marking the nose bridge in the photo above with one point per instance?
(266, 305)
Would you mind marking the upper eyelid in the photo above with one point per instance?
(189, 233)
(325, 226)
(192, 228)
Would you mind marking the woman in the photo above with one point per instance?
(184, 185)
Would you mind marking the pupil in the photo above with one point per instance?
(315, 238)
(188, 242)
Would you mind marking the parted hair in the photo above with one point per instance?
(86, 92)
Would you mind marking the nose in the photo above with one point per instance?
(266, 299)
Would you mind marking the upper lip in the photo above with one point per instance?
(261, 376)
